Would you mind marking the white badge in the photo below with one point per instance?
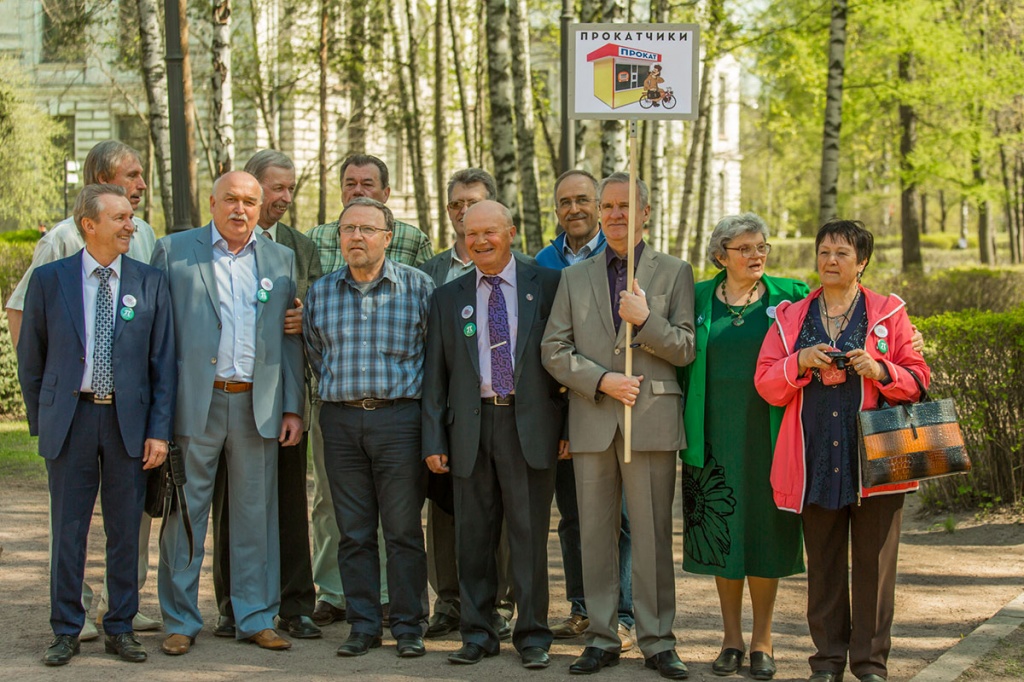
(266, 284)
(770, 311)
(128, 300)
(881, 332)
(529, 297)
(700, 320)
(467, 312)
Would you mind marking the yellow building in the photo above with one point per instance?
(619, 73)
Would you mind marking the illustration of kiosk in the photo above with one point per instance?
(620, 72)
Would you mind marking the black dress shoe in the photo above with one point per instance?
(469, 654)
(385, 615)
(225, 627)
(668, 665)
(441, 624)
(126, 645)
(325, 613)
(762, 665)
(728, 662)
(61, 649)
(872, 677)
(299, 627)
(535, 657)
(825, 676)
(592, 660)
(501, 625)
(358, 643)
(410, 646)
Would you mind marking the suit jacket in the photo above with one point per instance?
(581, 345)
(187, 258)
(51, 354)
(451, 381)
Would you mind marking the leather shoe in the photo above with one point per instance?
(872, 677)
(358, 643)
(61, 649)
(535, 657)
(176, 645)
(385, 615)
(469, 654)
(728, 662)
(269, 639)
(625, 638)
(441, 624)
(668, 665)
(825, 676)
(126, 645)
(299, 627)
(325, 613)
(501, 625)
(410, 646)
(573, 626)
(225, 627)
(592, 660)
(762, 665)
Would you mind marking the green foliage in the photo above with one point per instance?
(26, 236)
(956, 290)
(19, 456)
(11, 403)
(977, 358)
(14, 261)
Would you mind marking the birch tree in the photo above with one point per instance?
(223, 106)
(829, 185)
(613, 132)
(440, 141)
(406, 57)
(154, 73)
(522, 87)
(499, 82)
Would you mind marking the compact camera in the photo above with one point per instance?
(839, 358)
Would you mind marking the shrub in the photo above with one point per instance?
(11, 403)
(20, 236)
(977, 358)
(15, 257)
(972, 288)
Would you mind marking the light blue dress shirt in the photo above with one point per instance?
(237, 283)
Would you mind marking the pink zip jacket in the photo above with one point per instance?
(779, 382)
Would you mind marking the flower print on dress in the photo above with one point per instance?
(707, 501)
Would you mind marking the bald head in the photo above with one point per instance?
(489, 235)
(235, 206)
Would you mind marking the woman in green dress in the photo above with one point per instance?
(733, 529)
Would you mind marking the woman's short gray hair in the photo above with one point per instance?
(730, 227)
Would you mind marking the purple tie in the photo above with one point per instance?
(501, 345)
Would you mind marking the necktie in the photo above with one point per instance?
(102, 370)
(266, 233)
(501, 345)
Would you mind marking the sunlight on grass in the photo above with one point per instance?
(18, 457)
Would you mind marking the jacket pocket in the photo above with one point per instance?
(666, 388)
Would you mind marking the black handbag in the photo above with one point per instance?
(912, 442)
(165, 495)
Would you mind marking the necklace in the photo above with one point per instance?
(737, 317)
(838, 321)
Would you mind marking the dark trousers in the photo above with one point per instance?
(849, 613)
(94, 458)
(572, 553)
(503, 487)
(298, 594)
(375, 469)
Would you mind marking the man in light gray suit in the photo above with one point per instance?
(240, 391)
(585, 349)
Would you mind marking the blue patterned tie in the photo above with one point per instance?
(102, 370)
(501, 345)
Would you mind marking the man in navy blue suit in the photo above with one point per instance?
(98, 374)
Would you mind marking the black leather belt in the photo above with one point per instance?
(500, 402)
(91, 398)
(369, 403)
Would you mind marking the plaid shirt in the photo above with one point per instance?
(409, 245)
(368, 345)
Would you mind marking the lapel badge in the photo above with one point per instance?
(881, 331)
(127, 314)
(770, 312)
(882, 346)
(467, 312)
(266, 284)
(529, 297)
(129, 301)
(700, 320)
(469, 329)
(262, 295)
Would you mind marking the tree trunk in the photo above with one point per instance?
(467, 128)
(411, 110)
(355, 76)
(190, 118)
(503, 139)
(266, 60)
(321, 213)
(1011, 227)
(656, 177)
(986, 240)
(943, 210)
(154, 73)
(522, 88)
(829, 188)
(700, 126)
(908, 196)
(223, 106)
(924, 213)
(698, 250)
(613, 132)
(440, 141)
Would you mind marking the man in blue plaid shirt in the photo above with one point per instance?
(364, 327)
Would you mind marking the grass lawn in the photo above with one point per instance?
(19, 460)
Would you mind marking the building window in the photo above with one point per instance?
(629, 76)
(64, 24)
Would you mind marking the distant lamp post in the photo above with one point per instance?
(71, 169)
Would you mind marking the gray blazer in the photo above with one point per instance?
(581, 345)
(187, 258)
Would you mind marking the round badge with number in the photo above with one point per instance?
(882, 346)
(469, 329)
(262, 295)
(127, 314)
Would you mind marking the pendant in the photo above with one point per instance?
(737, 322)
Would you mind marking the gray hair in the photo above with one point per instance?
(389, 217)
(105, 159)
(623, 178)
(87, 205)
(730, 227)
(470, 176)
(267, 158)
(575, 171)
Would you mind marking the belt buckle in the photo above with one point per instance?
(368, 404)
(502, 402)
(109, 400)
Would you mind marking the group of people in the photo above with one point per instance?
(486, 381)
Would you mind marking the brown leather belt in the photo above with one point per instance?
(91, 398)
(369, 403)
(232, 386)
(500, 402)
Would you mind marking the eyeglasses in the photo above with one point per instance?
(751, 251)
(579, 201)
(366, 230)
(456, 206)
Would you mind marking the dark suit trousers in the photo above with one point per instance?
(851, 612)
(375, 469)
(94, 456)
(503, 486)
(298, 595)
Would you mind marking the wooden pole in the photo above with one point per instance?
(627, 437)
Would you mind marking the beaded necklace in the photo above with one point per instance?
(737, 317)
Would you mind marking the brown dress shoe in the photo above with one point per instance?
(325, 613)
(176, 645)
(573, 626)
(269, 639)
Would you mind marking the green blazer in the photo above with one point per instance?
(693, 377)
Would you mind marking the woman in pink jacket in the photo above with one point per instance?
(839, 351)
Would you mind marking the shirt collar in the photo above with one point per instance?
(507, 274)
(219, 242)
(386, 272)
(89, 264)
(589, 246)
(610, 255)
(272, 231)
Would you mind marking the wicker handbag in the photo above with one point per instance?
(913, 442)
